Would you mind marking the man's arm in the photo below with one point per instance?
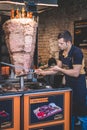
(49, 71)
(70, 72)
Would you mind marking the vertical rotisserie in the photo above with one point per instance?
(20, 36)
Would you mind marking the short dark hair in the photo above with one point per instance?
(52, 62)
(66, 35)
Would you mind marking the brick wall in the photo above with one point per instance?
(53, 21)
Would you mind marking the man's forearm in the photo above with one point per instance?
(70, 72)
(47, 72)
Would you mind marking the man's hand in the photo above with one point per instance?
(56, 68)
(37, 71)
(40, 72)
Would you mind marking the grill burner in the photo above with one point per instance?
(14, 86)
(22, 75)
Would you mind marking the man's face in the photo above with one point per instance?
(62, 44)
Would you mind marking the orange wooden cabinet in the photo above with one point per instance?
(47, 110)
(10, 112)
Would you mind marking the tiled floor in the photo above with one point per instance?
(77, 127)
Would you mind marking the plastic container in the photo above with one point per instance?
(83, 122)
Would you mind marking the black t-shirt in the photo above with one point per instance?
(75, 56)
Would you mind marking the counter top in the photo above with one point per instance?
(34, 91)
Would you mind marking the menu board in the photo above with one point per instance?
(80, 33)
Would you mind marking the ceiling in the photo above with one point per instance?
(37, 6)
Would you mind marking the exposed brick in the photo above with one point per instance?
(56, 20)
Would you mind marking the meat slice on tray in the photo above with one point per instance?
(20, 37)
(47, 110)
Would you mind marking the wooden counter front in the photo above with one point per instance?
(38, 117)
(10, 112)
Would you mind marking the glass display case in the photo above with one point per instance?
(46, 110)
(10, 112)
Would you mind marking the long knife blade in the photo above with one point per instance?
(11, 65)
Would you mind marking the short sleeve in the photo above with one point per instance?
(77, 56)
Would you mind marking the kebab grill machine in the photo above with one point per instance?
(20, 38)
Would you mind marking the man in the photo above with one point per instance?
(71, 64)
